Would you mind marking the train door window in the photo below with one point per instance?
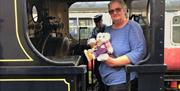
(176, 29)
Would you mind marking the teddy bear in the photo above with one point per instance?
(100, 47)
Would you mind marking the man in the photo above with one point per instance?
(100, 27)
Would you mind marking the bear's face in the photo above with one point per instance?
(91, 42)
(103, 37)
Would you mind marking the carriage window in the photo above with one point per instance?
(140, 13)
(73, 21)
(73, 28)
(176, 20)
(85, 22)
(80, 28)
(176, 29)
(85, 27)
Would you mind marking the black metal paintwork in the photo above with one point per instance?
(12, 72)
(55, 78)
(157, 28)
(150, 76)
(8, 40)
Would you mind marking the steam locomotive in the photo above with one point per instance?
(37, 51)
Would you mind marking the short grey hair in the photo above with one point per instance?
(121, 2)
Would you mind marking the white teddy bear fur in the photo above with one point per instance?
(101, 38)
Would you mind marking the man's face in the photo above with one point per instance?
(98, 24)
